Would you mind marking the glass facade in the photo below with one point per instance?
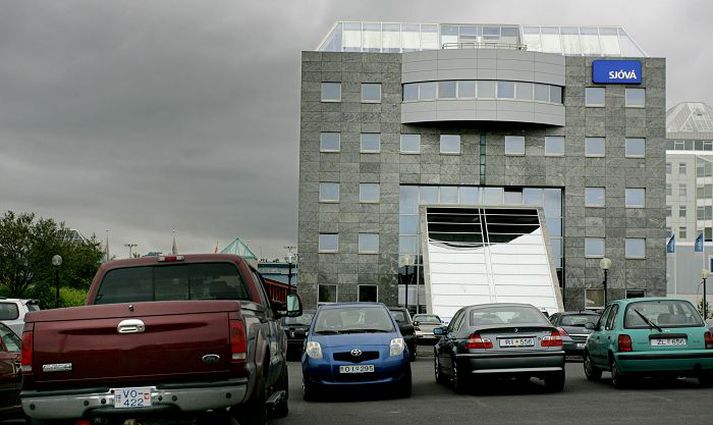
(481, 89)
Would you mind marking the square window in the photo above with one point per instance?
(554, 145)
(450, 144)
(371, 92)
(669, 190)
(368, 243)
(331, 92)
(410, 92)
(634, 98)
(328, 242)
(329, 142)
(669, 211)
(594, 146)
(594, 298)
(327, 293)
(410, 143)
(328, 192)
(447, 90)
(523, 91)
(506, 90)
(556, 94)
(486, 89)
(594, 196)
(682, 169)
(448, 195)
(682, 211)
(668, 168)
(466, 89)
(369, 192)
(514, 145)
(682, 190)
(370, 143)
(542, 93)
(594, 247)
(594, 96)
(635, 197)
(635, 248)
(682, 233)
(635, 147)
(368, 293)
(427, 91)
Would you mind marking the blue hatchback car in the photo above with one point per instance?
(355, 346)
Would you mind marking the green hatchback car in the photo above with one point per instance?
(655, 337)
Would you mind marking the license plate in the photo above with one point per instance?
(517, 342)
(668, 342)
(362, 368)
(132, 398)
(580, 345)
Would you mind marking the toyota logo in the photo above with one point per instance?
(356, 352)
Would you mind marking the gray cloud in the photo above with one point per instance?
(141, 117)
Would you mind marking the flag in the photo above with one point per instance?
(216, 247)
(671, 245)
(698, 247)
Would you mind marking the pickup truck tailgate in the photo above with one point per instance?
(83, 346)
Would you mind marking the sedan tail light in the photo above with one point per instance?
(553, 340)
(475, 341)
(624, 343)
(709, 340)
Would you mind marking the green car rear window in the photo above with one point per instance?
(664, 313)
(200, 281)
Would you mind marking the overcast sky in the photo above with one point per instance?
(144, 116)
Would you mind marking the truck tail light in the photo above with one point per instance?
(238, 341)
(554, 339)
(624, 342)
(709, 340)
(475, 341)
(170, 258)
(26, 351)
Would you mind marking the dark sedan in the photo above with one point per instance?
(572, 325)
(10, 375)
(499, 340)
(296, 331)
(407, 328)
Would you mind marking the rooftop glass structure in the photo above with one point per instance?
(399, 37)
(690, 120)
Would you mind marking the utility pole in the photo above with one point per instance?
(290, 259)
(130, 246)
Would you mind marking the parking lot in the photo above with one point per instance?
(582, 402)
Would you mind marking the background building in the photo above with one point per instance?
(395, 116)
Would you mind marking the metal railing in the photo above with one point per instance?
(484, 45)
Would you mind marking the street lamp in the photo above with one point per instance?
(604, 264)
(130, 246)
(408, 261)
(289, 259)
(704, 275)
(56, 262)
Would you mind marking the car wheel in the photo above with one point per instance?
(309, 392)
(705, 380)
(437, 371)
(281, 409)
(554, 383)
(253, 412)
(458, 382)
(617, 379)
(591, 371)
(412, 352)
(404, 389)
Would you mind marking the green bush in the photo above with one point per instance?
(72, 297)
(45, 294)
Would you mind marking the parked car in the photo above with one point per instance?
(650, 337)
(10, 376)
(499, 340)
(407, 328)
(425, 323)
(13, 311)
(355, 346)
(296, 330)
(574, 332)
(194, 336)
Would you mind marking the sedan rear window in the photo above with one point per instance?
(507, 315)
(425, 318)
(9, 311)
(664, 313)
(200, 281)
(578, 319)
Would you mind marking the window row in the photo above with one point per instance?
(368, 243)
(689, 145)
(368, 192)
(682, 211)
(596, 97)
(682, 190)
(332, 92)
(634, 147)
(329, 293)
(634, 248)
(481, 89)
(634, 197)
(682, 169)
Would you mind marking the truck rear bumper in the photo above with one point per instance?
(73, 404)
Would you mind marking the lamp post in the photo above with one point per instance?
(289, 259)
(408, 261)
(704, 275)
(56, 262)
(605, 264)
(130, 246)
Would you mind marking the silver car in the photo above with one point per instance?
(13, 311)
(425, 323)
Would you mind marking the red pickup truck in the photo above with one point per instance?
(192, 336)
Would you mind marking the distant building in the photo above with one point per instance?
(279, 271)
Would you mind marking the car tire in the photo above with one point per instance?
(437, 370)
(309, 392)
(412, 353)
(554, 382)
(591, 371)
(705, 380)
(458, 381)
(617, 379)
(254, 411)
(404, 388)
(282, 409)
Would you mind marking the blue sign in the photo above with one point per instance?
(698, 246)
(616, 72)
(671, 245)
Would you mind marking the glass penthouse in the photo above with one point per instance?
(473, 120)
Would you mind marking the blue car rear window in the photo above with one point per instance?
(353, 319)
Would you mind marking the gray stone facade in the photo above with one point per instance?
(391, 169)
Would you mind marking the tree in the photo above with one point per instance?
(27, 244)
(709, 313)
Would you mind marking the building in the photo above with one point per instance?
(689, 195)
(399, 116)
(279, 271)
